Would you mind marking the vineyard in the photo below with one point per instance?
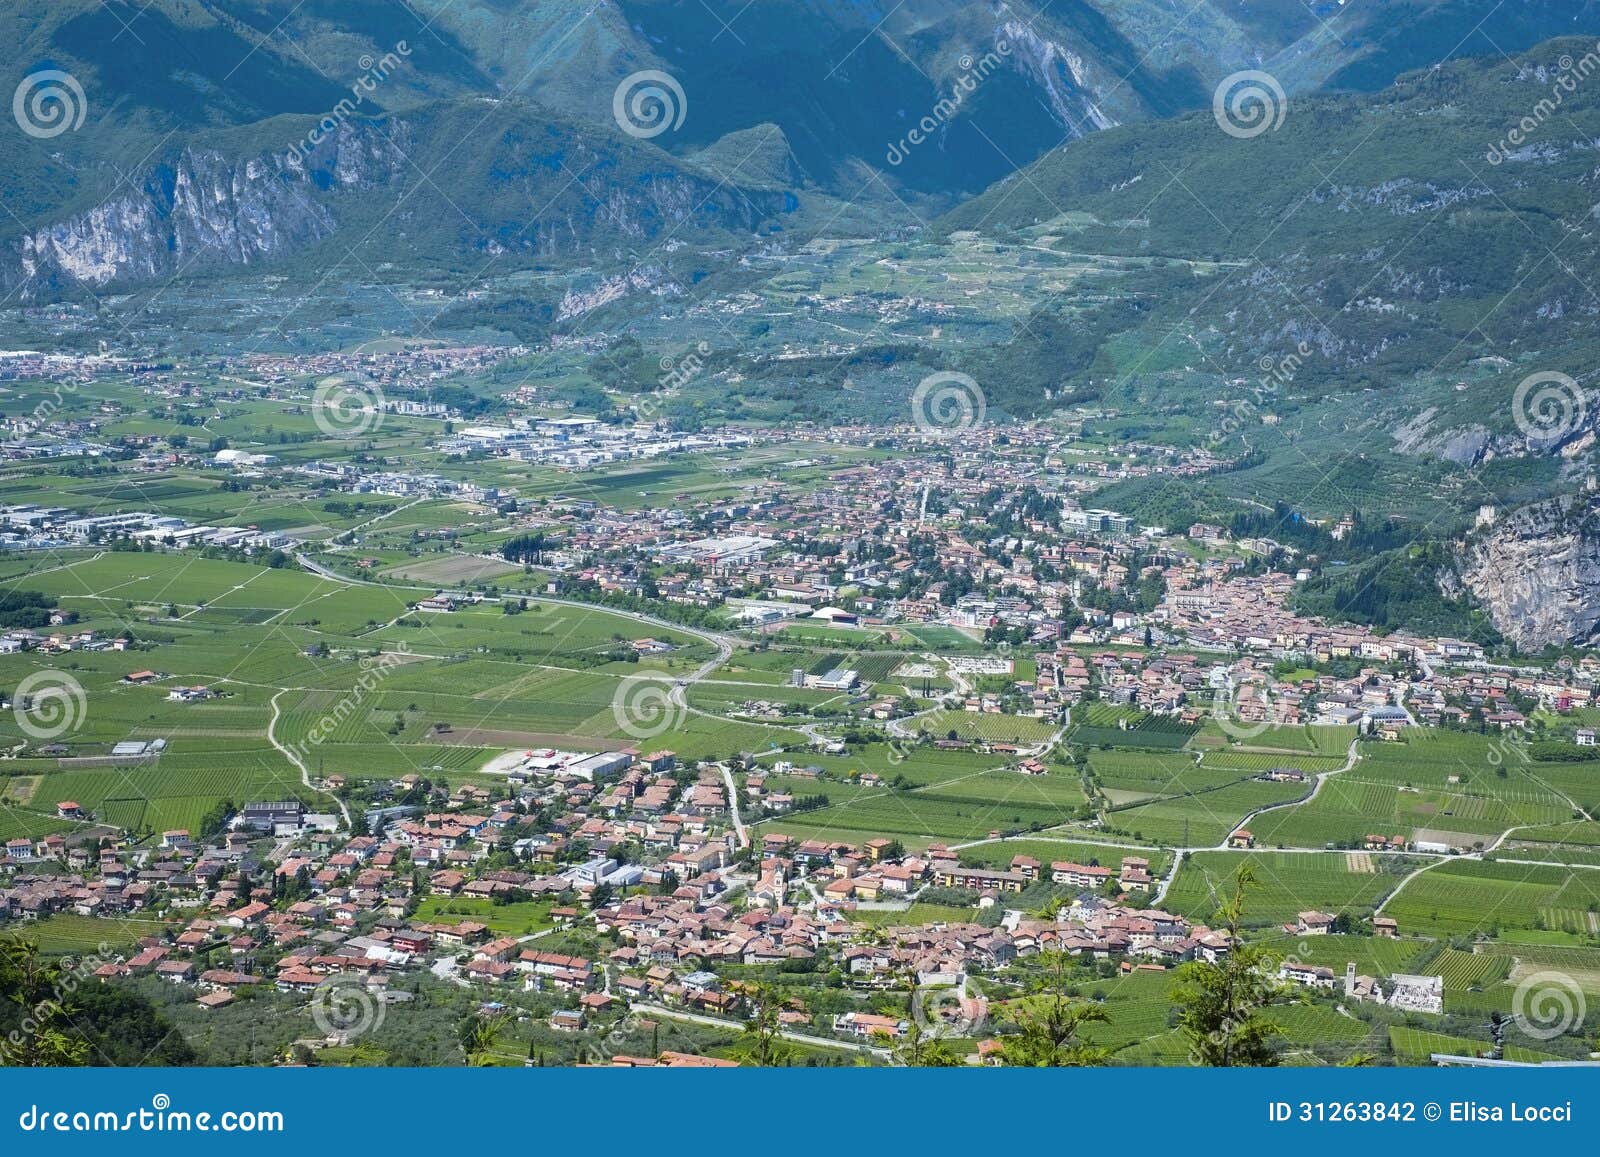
(1471, 896)
(1286, 884)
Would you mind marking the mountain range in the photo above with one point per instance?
(460, 129)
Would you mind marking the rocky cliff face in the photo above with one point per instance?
(1061, 73)
(199, 208)
(1537, 572)
(537, 190)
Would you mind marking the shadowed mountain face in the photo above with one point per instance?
(842, 107)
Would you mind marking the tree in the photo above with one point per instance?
(1220, 1005)
(922, 1049)
(1047, 1026)
(763, 1031)
(478, 1036)
(33, 983)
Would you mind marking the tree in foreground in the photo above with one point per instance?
(919, 1048)
(763, 1032)
(1222, 1005)
(1049, 1021)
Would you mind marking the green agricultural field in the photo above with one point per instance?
(963, 809)
(943, 639)
(1138, 1006)
(178, 789)
(300, 654)
(1580, 965)
(65, 934)
(1441, 786)
(912, 915)
(519, 919)
(1286, 883)
(1372, 955)
(1101, 724)
(1466, 970)
(1255, 763)
(1133, 776)
(992, 728)
(1469, 897)
(1202, 818)
(1414, 1046)
(919, 765)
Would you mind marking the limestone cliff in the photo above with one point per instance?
(1536, 571)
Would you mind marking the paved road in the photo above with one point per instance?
(290, 754)
(724, 645)
(733, 805)
(797, 1037)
